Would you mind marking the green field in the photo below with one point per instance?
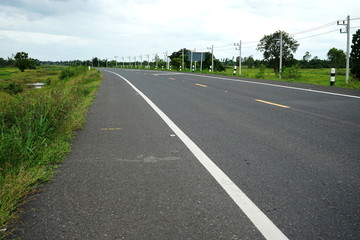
(309, 76)
(37, 126)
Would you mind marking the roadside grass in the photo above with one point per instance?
(308, 76)
(36, 129)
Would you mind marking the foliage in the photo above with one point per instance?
(206, 63)
(14, 88)
(22, 61)
(270, 46)
(70, 72)
(337, 58)
(261, 73)
(176, 63)
(36, 128)
(292, 72)
(355, 55)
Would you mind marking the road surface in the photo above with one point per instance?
(168, 155)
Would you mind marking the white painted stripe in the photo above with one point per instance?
(167, 74)
(256, 216)
(275, 85)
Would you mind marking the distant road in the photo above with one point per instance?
(167, 155)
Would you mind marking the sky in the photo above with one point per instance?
(61, 30)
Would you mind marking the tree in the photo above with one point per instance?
(176, 63)
(22, 61)
(355, 55)
(337, 58)
(307, 57)
(250, 62)
(270, 46)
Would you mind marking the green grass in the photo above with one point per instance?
(309, 76)
(36, 129)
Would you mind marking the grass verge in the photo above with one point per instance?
(36, 129)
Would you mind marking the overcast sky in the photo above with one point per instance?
(82, 29)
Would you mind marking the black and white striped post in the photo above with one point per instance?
(332, 77)
(234, 73)
(180, 68)
(210, 70)
(193, 68)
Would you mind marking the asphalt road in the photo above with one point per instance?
(292, 151)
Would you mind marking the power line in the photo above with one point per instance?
(316, 28)
(318, 34)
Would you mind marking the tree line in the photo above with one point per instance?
(269, 45)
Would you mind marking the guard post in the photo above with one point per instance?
(332, 77)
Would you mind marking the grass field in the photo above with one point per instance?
(36, 128)
(309, 76)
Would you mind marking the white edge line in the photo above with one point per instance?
(256, 216)
(275, 85)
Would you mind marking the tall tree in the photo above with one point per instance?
(270, 46)
(337, 58)
(22, 61)
(355, 55)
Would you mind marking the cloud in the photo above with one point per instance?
(81, 29)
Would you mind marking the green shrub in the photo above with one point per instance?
(14, 88)
(292, 72)
(36, 128)
(261, 73)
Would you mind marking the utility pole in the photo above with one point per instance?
(239, 44)
(183, 59)
(129, 61)
(167, 60)
(116, 60)
(140, 61)
(123, 61)
(347, 30)
(148, 57)
(156, 60)
(281, 53)
(212, 57)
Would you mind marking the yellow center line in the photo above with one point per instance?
(275, 104)
(200, 85)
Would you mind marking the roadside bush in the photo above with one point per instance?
(291, 72)
(261, 73)
(14, 88)
(36, 128)
(71, 72)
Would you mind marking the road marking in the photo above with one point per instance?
(200, 85)
(256, 216)
(110, 129)
(166, 74)
(271, 103)
(172, 78)
(279, 86)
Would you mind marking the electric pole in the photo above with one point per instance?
(116, 61)
(212, 57)
(166, 59)
(148, 57)
(281, 53)
(183, 59)
(347, 30)
(239, 44)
